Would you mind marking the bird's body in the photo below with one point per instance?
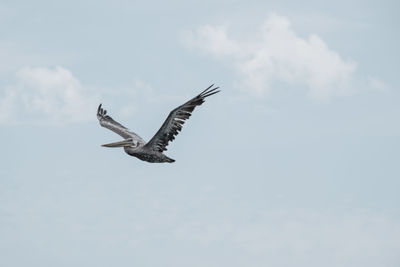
(152, 151)
(145, 154)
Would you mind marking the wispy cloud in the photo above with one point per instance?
(317, 236)
(377, 84)
(305, 238)
(43, 94)
(275, 53)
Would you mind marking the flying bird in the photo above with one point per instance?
(152, 151)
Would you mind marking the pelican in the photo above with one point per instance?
(152, 151)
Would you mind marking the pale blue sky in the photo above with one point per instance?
(294, 163)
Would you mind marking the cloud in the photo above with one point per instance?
(343, 240)
(42, 94)
(377, 84)
(290, 237)
(277, 54)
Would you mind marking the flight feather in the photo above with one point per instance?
(175, 120)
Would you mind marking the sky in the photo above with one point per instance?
(294, 163)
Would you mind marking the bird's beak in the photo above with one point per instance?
(124, 143)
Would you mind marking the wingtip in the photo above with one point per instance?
(99, 109)
(209, 91)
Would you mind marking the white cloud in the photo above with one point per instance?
(41, 95)
(46, 94)
(277, 53)
(377, 84)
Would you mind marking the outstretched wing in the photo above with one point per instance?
(108, 122)
(175, 120)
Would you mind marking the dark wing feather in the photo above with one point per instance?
(108, 122)
(175, 120)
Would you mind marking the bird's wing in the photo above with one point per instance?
(108, 122)
(175, 120)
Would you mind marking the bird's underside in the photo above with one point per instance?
(152, 151)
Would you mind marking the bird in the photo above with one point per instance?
(153, 151)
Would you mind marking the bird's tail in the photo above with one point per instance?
(169, 160)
